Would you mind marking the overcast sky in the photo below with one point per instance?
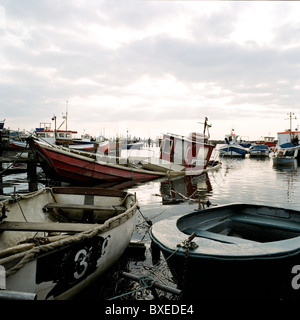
(151, 66)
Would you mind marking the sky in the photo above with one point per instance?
(151, 67)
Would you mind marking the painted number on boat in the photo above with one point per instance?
(71, 265)
(81, 264)
(2, 277)
(296, 279)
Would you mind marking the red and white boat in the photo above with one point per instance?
(268, 141)
(189, 154)
(75, 166)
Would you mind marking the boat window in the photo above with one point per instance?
(167, 146)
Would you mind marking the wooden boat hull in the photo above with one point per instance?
(259, 266)
(60, 266)
(61, 163)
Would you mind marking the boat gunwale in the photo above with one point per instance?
(268, 250)
(44, 249)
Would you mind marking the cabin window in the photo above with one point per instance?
(167, 146)
(49, 135)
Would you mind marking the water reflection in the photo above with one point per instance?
(185, 188)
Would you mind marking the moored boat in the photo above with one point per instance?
(74, 166)
(188, 154)
(236, 251)
(268, 141)
(58, 137)
(285, 157)
(232, 147)
(57, 241)
(259, 150)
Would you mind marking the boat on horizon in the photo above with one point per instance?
(61, 240)
(232, 147)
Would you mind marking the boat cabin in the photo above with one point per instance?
(288, 139)
(190, 151)
(268, 141)
(45, 133)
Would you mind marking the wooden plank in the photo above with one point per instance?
(267, 222)
(45, 226)
(93, 191)
(116, 209)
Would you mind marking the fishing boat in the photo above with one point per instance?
(232, 147)
(235, 251)
(190, 154)
(133, 145)
(285, 157)
(57, 241)
(259, 150)
(268, 141)
(64, 164)
(289, 139)
(58, 137)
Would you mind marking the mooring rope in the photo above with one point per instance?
(72, 239)
(146, 282)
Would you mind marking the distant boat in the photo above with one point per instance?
(289, 139)
(61, 240)
(2, 122)
(236, 251)
(259, 150)
(285, 157)
(268, 141)
(58, 137)
(132, 145)
(232, 148)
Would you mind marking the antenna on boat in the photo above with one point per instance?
(206, 126)
(291, 118)
(66, 116)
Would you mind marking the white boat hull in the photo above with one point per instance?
(62, 265)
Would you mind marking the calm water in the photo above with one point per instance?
(248, 180)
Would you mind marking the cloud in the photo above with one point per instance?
(144, 61)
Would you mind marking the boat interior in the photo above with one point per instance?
(238, 227)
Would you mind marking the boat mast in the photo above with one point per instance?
(206, 126)
(291, 118)
(66, 116)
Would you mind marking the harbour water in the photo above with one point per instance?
(247, 180)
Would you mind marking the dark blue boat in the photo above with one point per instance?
(235, 251)
(259, 150)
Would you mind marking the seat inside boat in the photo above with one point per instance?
(240, 227)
